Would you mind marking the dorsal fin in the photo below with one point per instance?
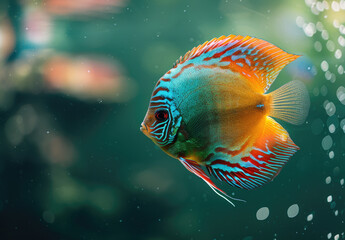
(254, 58)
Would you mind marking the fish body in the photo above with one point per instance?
(212, 110)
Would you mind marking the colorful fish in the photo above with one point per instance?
(212, 110)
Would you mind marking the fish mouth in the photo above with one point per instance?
(143, 127)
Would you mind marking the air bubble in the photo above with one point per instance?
(342, 29)
(318, 46)
(327, 142)
(338, 54)
(342, 181)
(330, 45)
(310, 217)
(262, 213)
(309, 29)
(300, 21)
(293, 211)
(324, 34)
(341, 41)
(341, 94)
(329, 198)
(319, 26)
(316, 92)
(331, 128)
(330, 109)
(331, 154)
(342, 124)
(340, 69)
(324, 90)
(335, 6)
(319, 6)
(342, 4)
(329, 235)
(324, 66)
(336, 237)
(336, 23)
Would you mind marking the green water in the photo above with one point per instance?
(73, 163)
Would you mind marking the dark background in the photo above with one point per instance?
(75, 84)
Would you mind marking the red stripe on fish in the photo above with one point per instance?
(160, 89)
(182, 69)
(165, 79)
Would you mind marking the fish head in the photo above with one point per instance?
(162, 121)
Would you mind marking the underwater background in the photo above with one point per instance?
(76, 79)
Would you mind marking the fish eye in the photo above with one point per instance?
(161, 115)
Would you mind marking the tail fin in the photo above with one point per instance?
(290, 103)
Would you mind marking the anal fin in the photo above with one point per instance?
(271, 150)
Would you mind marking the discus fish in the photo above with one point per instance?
(212, 110)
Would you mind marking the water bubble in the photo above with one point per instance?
(293, 211)
(342, 29)
(328, 180)
(324, 90)
(329, 198)
(262, 213)
(341, 41)
(336, 214)
(318, 46)
(316, 92)
(340, 69)
(342, 6)
(342, 124)
(310, 217)
(336, 23)
(330, 45)
(330, 109)
(329, 235)
(338, 54)
(341, 94)
(319, 26)
(310, 2)
(309, 29)
(331, 128)
(331, 154)
(327, 142)
(320, 6)
(324, 65)
(336, 237)
(342, 181)
(300, 21)
(335, 6)
(328, 75)
(324, 34)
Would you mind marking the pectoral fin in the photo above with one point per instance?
(195, 168)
